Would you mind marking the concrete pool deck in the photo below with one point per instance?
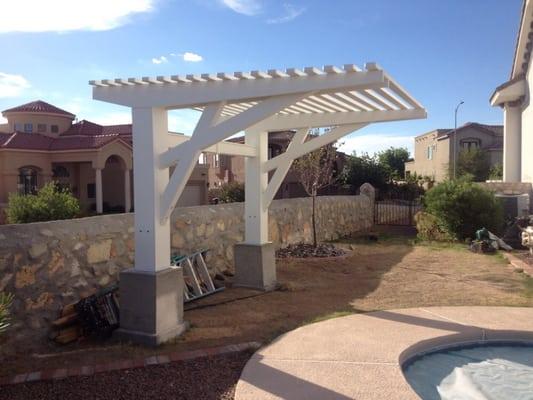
(360, 356)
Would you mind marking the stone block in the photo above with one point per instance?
(151, 306)
(99, 252)
(255, 266)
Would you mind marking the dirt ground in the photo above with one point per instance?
(390, 273)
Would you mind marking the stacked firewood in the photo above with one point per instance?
(96, 315)
(67, 328)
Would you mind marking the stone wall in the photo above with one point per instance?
(50, 264)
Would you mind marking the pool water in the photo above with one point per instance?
(495, 372)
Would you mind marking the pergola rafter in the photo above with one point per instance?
(344, 99)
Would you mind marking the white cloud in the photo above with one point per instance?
(192, 57)
(159, 60)
(68, 15)
(372, 143)
(291, 12)
(12, 85)
(246, 7)
(112, 118)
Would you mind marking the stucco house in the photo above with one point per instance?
(41, 142)
(514, 97)
(434, 151)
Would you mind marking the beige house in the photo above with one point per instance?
(41, 143)
(514, 97)
(434, 151)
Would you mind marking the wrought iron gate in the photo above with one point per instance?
(396, 212)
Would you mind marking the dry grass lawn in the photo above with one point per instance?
(392, 273)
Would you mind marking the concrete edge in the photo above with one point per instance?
(518, 263)
(159, 359)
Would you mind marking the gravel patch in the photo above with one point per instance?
(209, 378)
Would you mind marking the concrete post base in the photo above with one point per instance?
(255, 266)
(151, 306)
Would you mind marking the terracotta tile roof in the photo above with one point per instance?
(496, 130)
(88, 128)
(39, 106)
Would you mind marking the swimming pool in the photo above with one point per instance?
(477, 372)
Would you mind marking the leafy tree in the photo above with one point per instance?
(394, 158)
(362, 169)
(50, 203)
(316, 171)
(462, 207)
(496, 172)
(474, 162)
(232, 192)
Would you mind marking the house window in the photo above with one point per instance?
(27, 180)
(202, 159)
(430, 151)
(41, 128)
(28, 128)
(217, 161)
(18, 127)
(60, 172)
(470, 144)
(54, 128)
(91, 190)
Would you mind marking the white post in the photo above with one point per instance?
(152, 236)
(256, 182)
(127, 190)
(99, 195)
(151, 294)
(512, 136)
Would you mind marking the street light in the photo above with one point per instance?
(455, 141)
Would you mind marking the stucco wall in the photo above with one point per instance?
(527, 132)
(47, 265)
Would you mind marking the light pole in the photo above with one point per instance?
(455, 141)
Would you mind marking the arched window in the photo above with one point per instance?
(27, 180)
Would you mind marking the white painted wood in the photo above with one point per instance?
(281, 171)
(281, 122)
(152, 236)
(512, 139)
(256, 181)
(127, 190)
(311, 145)
(99, 194)
(201, 92)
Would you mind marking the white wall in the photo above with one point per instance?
(527, 133)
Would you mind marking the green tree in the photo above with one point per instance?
(462, 207)
(496, 172)
(316, 171)
(362, 169)
(50, 203)
(394, 158)
(474, 162)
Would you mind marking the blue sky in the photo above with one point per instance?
(440, 51)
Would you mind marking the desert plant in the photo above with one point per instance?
(50, 203)
(428, 228)
(5, 303)
(462, 207)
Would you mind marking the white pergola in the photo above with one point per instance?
(344, 99)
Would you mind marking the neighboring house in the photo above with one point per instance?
(434, 151)
(41, 143)
(225, 168)
(514, 97)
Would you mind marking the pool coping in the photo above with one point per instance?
(313, 361)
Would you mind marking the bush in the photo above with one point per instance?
(428, 228)
(496, 172)
(5, 303)
(232, 192)
(462, 207)
(50, 203)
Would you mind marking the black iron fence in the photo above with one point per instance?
(396, 212)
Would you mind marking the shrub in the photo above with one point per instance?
(496, 172)
(462, 207)
(5, 303)
(428, 228)
(50, 203)
(232, 192)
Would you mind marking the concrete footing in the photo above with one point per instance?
(255, 266)
(151, 306)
